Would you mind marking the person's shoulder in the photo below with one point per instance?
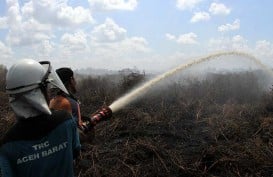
(72, 98)
(60, 115)
(61, 119)
(60, 102)
(35, 128)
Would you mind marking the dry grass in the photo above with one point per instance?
(202, 128)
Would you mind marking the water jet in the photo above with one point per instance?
(134, 94)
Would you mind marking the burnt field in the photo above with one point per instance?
(218, 126)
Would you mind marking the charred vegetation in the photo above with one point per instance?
(219, 126)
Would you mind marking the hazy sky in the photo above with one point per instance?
(147, 34)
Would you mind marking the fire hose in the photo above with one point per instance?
(102, 114)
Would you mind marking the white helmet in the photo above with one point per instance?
(26, 81)
(29, 74)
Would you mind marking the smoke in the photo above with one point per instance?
(140, 91)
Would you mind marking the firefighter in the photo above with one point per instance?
(42, 142)
(68, 102)
(63, 101)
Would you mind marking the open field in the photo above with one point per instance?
(218, 126)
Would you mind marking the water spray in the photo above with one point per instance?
(134, 94)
